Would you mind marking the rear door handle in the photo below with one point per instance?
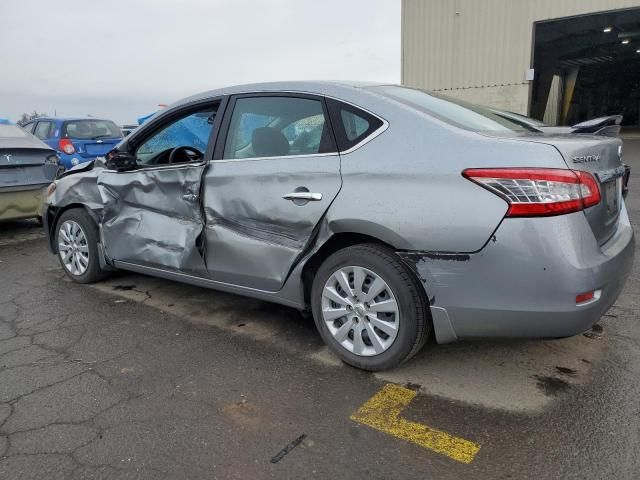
(306, 196)
(190, 197)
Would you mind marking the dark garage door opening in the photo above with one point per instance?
(586, 67)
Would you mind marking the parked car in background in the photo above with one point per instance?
(27, 167)
(76, 140)
(389, 212)
(127, 129)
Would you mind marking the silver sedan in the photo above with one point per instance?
(390, 213)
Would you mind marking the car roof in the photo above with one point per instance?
(68, 119)
(320, 87)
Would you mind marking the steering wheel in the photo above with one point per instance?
(190, 153)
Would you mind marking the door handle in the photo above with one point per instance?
(190, 197)
(305, 196)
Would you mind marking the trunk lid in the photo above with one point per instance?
(25, 167)
(601, 156)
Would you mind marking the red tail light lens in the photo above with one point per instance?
(585, 297)
(66, 146)
(538, 192)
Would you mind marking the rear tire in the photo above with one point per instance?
(386, 314)
(76, 238)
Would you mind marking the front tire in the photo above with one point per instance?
(369, 308)
(76, 240)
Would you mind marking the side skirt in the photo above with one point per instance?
(274, 297)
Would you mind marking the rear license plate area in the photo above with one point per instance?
(612, 196)
(11, 176)
(97, 149)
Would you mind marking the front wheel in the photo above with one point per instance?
(369, 307)
(77, 244)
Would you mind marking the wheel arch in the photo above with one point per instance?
(53, 216)
(337, 241)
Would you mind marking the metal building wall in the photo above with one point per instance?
(480, 50)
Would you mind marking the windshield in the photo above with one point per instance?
(91, 129)
(453, 111)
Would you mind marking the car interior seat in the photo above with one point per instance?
(269, 142)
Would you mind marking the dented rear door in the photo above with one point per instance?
(276, 173)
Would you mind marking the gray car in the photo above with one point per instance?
(390, 213)
(27, 167)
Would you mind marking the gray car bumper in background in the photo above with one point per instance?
(524, 282)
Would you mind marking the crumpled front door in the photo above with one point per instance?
(152, 217)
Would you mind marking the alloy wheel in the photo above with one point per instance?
(73, 248)
(360, 311)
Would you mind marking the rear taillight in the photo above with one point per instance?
(51, 189)
(538, 192)
(66, 146)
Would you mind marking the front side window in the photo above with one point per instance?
(90, 130)
(188, 136)
(277, 126)
(43, 130)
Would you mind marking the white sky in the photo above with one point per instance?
(119, 59)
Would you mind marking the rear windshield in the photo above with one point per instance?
(90, 129)
(11, 131)
(453, 111)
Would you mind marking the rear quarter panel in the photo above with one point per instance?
(405, 186)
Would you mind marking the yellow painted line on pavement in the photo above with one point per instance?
(382, 412)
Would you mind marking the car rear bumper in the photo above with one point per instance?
(23, 202)
(524, 282)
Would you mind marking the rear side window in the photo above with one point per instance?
(90, 129)
(44, 130)
(277, 126)
(352, 125)
(29, 127)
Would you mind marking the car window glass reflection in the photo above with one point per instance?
(277, 126)
(354, 125)
(191, 132)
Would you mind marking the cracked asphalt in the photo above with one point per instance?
(139, 378)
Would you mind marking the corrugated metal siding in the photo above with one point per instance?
(460, 44)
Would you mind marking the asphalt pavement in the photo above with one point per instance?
(140, 378)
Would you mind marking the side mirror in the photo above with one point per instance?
(120, 161)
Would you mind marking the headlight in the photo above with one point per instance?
(75, 161)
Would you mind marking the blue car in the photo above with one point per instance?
(76, 140)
